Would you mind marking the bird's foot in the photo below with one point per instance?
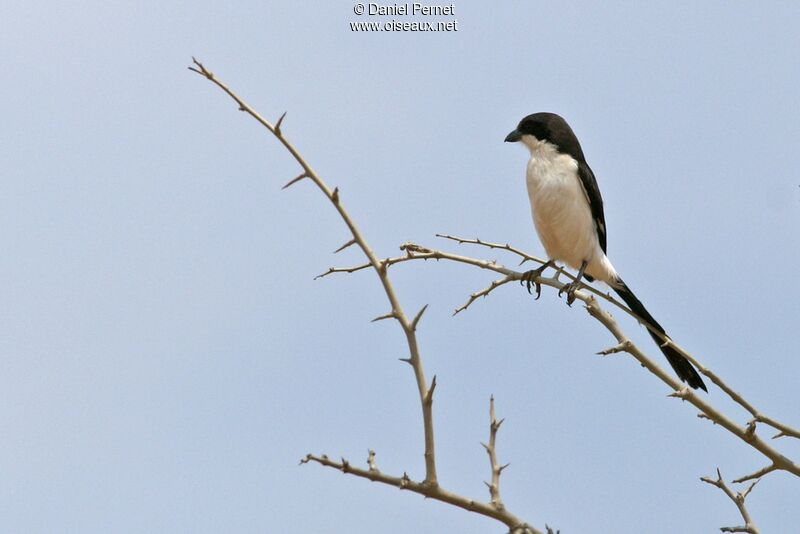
(528, 279)
(570, 289)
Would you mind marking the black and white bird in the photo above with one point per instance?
(568, 215)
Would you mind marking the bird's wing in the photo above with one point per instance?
(595, 201)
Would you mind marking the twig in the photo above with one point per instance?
(332, 270)
(497, 469)
(432, 492)
(738, 499)
(524, 255)
(757, 474)
(482, 293)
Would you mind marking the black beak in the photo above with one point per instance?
(513, 137)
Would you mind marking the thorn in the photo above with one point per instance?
(335, 195)
(485, 446)
(326, 273)
(407, 360)
(278, 124)
(295, 180)
(704, 416)
(780, 434)
(418, 317)
(622, 347)
(390, 315)
(680, 393)
(502, 467)
(349, 243)
(345, 465)
(523, 261)
(429, 394)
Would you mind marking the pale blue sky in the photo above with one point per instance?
(167, 359)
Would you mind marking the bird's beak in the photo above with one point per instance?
(513, 137)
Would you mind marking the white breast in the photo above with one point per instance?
(561, 211)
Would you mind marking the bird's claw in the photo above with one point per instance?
(528, 277)
(569, 289)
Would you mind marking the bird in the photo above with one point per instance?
(568, 215)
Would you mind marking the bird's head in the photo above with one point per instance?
(539, 128)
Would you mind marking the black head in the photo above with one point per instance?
(551, 128)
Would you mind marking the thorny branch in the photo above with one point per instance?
(757, 416)
(738, 499)
(587, 295)
(497, 469)
(434, 492)
(624, 344)
(430, 486)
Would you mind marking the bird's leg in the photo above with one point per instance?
(570, 288)
(528, 278)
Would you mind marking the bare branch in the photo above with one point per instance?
(784, 430)
(738, 499)
(497, 469)
(431, 491)
(383, 264)
(332, 270)
(377, 265)
(483, 292)
(757, 474)
(587, 296)
(429, 486)
(524, 255)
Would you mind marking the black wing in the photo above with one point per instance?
(595, 201)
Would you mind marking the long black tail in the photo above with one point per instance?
(683, 368)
